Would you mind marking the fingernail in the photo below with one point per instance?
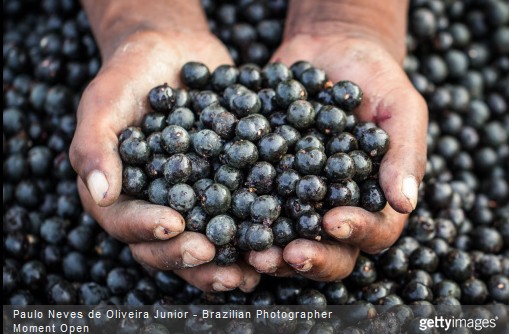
(304, 266)
(163, 233)
(219, 287)
(190, 261)
(410, 188)
(342, 231)
(97, 185)
(168, 227)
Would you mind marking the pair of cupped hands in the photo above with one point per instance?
(117, 98)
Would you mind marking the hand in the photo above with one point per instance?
(115, 99)
(390, 101)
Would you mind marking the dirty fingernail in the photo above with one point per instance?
(304, 266)
(163, 233)
(190, 261)
(410, 188)
(219, 287)
(342, 231)
(97, 185)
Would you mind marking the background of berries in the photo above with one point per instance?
(454, 249)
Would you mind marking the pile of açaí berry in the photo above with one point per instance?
(454, 248)
(254, 157)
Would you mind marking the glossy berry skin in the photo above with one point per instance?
(209, 113)
(274, 73)
(221, 229)
(226, 255)
(301, 114)
(289, 91)
(250, 75)
(498, 287)
(134, 180)
(252, 127)
(347, 95)
(231, 177)
(457, 265)
(310, 161)
(224, 76)
(344, 142)
(345, 193)
(313, 79)
(177, 169)
(155, 165)
(157, 191)
(241, 154)
(200, 186)
(424, 258)
(241, 202)
(286, 162)
(330, 120)
(473, 292)
(224, 124)
(375, 142)
(120, 280)
(311, 188)
(182, 117)
(216, 199)
(272, 147)
(245, 104)
(309, 225)
(267, 98)
(196, 220)
(261, 178)
(154, 143)
(134, 151)
(207, 143)
(295, 208)
(161, 98)
(286, 182)
(416, 291)
(153, 122)
(195, 74)
(175, 139)
(200, 167)
(372, 196)
(339, 167)
(265, 209)
(363, 166)
(181, 197)
(309, 142)
(284, 231)
(259, 237)
(394, 262)
(289, 134)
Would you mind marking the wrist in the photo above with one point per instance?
(115, 23)
(382, 22)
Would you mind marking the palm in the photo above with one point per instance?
(117, 98)
(391, 102)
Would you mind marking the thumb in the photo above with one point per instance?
(94, 148)
(405, 120)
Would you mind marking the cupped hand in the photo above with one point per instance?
(115, 99)
(394, 105)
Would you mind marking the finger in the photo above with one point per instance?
(187, 250)
(371, 232)
(402, 167)
(395, 106)
(269, 261)
(321, 261)
(251, 277)
(213, 278)
(104, 110)
(133, 221)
